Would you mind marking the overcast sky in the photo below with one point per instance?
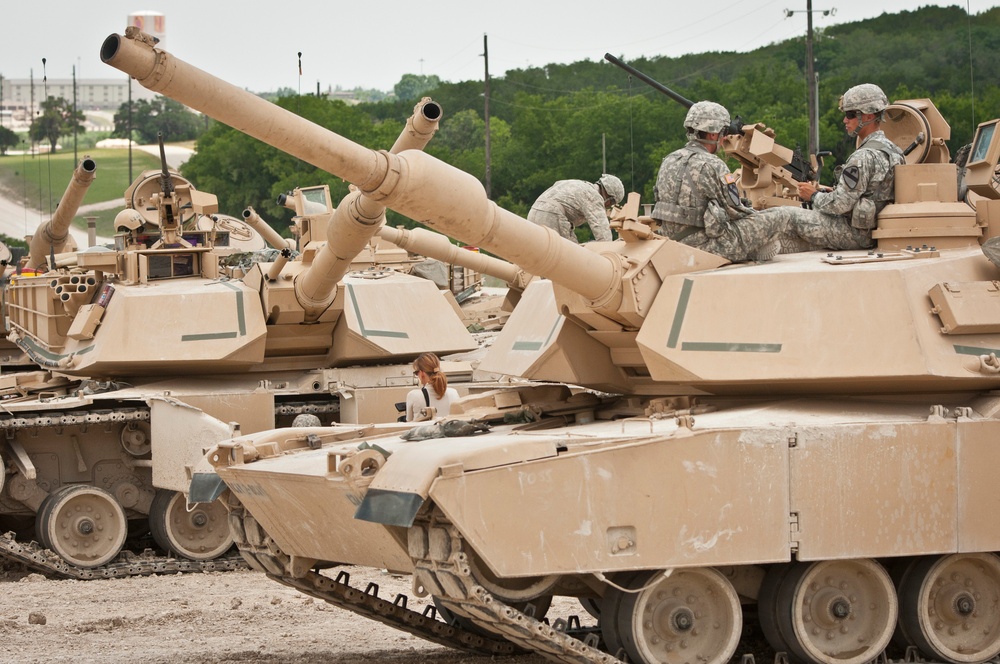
(372, 43)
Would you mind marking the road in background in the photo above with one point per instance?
(17, 220)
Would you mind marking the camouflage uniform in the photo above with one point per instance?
(698, 203)
(571, 203)
(844, 218)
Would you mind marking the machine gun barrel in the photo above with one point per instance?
(412, 183)
(656, 85)
(796, 169)
(51, 236)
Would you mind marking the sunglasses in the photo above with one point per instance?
(417, 372)
(851, 115)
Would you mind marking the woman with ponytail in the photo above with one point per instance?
(434, 391)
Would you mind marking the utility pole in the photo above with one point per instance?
(486, 117)
(48, 157)
(31, 111)
(1, 100)
(129, 133)
(812, 80)
(75, 160)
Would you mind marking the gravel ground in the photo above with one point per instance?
(200, 618)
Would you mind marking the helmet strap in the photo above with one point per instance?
(699, 136)
(877, 119)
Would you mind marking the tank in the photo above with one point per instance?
(153, 349)
(791, 460)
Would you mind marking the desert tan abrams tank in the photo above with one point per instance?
(805, 448)
(157, 348)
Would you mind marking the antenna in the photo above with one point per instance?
(972, 73)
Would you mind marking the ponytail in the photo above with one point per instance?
(431, 365)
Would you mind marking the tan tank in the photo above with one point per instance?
(803, 449)
(157, 348)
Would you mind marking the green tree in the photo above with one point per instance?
(8, 139)
(57, 119)
(412, 86)
(160, 116)
(242, 171)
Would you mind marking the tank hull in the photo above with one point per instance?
(749, 489)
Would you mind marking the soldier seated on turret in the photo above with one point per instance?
(697, 201)
(844, 216)
(571, 203)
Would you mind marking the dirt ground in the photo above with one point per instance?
(199, 619)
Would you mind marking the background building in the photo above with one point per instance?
(21, 97)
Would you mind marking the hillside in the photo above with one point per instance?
(567, 121)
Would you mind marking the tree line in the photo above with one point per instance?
(577, 120)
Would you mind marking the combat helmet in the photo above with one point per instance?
(864, 98)
(613, 187)
(706, 116)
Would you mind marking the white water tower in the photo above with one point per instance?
(152, 23)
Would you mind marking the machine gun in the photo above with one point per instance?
(769, 173)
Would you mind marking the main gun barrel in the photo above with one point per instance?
(412, 182)
(51, 236)
(357, 219)
(437, 246)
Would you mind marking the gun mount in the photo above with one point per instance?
(733, 404)
(769, 172)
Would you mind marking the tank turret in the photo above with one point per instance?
(808, 444)
(51, 236)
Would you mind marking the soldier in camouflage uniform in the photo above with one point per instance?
(571, 203)
(697, 201)
(843, 217)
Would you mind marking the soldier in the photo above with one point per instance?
(843, 217)
(571, 203)
(697, 201)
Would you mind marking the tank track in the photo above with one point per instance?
(108, 416)
(41, 560)
(438, 567)
(443, 569)
(67, 418)
(263, 555)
